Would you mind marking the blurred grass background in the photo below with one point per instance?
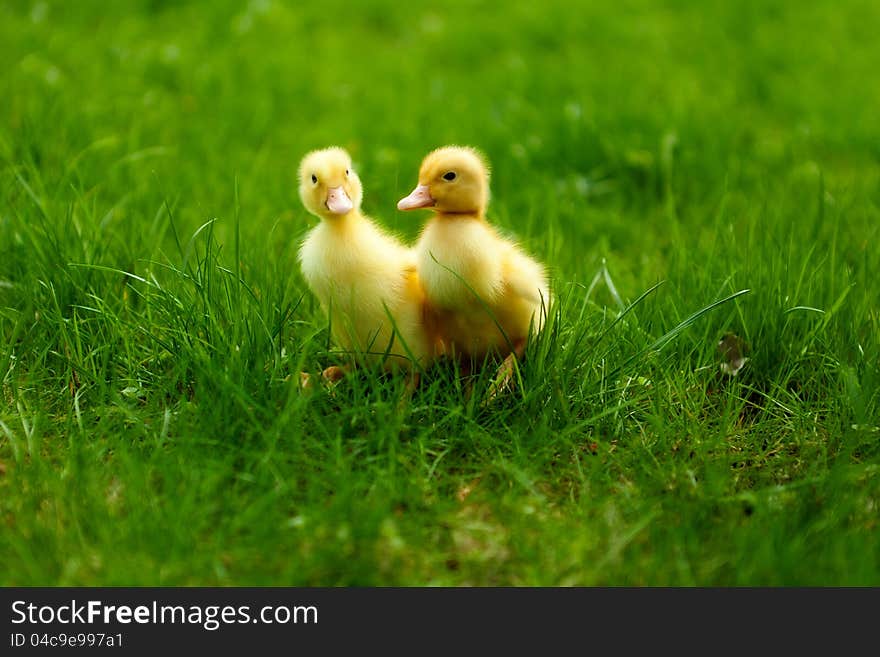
(149, 433)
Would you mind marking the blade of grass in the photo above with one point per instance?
(667, 337)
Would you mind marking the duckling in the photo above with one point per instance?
(484, 290)
(365, 280)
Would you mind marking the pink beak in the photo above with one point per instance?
(338, 201)
(420, 197)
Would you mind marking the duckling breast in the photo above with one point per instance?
(459, 263)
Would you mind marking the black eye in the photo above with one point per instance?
(347, 172)
(449, 175)
(314, 178)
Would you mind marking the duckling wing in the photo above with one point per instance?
(526, 278)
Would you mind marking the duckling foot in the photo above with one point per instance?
(305, 381)
(412, 382)
(464, 368)
(329, 377)
(503, 381)
(334, 374)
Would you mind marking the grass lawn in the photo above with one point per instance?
(153, 319)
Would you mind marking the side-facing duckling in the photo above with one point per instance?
(485, 291)
(365, 280)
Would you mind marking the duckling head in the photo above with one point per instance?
(328, 186)
(452, 180)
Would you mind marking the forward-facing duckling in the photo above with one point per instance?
(485, 291)
(365, 280)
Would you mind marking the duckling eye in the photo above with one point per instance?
(347, 172)
(449, 175)
(314, 179)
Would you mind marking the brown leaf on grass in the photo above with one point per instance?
(732, 349)
(462, 493)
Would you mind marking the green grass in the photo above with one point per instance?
(153, 319)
